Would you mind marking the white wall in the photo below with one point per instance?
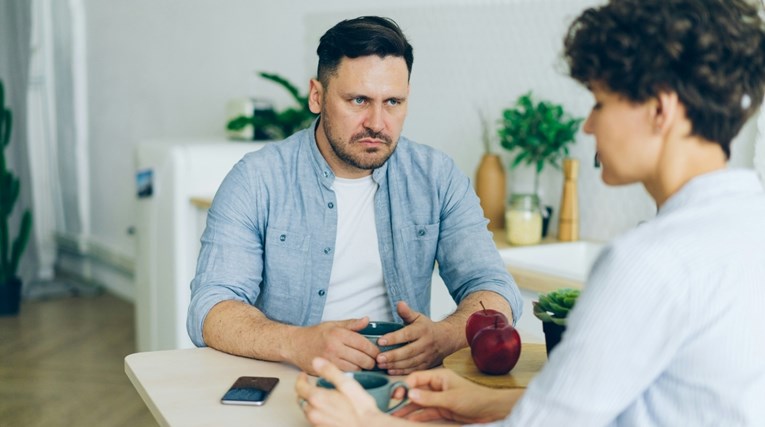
(160, 69)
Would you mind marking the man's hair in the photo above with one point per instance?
(363, 36)
(710, 52)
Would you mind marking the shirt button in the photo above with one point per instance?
(283, 237)
(322, 292)
(327, 250)
(331, 205)
(421, 232)
(326, 174)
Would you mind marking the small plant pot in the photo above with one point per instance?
(10, 297)
(553, 333)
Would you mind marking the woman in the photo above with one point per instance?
(668, 328)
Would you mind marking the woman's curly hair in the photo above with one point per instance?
(710, 52)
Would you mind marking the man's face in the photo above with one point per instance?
(362, 112)
(627, 145)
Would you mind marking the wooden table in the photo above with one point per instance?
(184, 387)
(533, 358)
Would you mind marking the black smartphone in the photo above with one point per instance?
(249, 391)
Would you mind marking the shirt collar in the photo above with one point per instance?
(713, 185)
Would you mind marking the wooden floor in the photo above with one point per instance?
(61, 364)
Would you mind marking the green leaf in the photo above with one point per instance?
(5, 129)
(239, 123)
(10, 188)
(556, 304)
(543, 130)
(20, 243)
(281, 81)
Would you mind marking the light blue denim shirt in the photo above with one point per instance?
(271, 231)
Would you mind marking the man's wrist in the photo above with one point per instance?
(289, 335)
(451, 333)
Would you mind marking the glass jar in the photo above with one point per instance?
(523, 220)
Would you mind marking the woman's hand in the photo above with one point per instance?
(441, 394)
(346, 406)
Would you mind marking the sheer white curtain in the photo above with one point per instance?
(759, 144)
(57, 129)
(14, 67)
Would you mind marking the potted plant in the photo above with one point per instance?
(536, 134)
(552, 309)
(10, 254)
(271, 124)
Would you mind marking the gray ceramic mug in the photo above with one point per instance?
(377, 385)
(375, 330)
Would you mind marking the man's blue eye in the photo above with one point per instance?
(358, 100)
(393, 102)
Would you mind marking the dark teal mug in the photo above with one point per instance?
(375, 330)
(378, 386)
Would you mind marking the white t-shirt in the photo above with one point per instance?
(356, 288)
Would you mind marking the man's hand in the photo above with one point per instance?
(337, 342)
(441, 394)
(346, 406)
(428, 343)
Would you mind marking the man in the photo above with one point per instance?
(310, 238)
(667, 331)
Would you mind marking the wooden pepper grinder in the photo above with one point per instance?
(568, 225)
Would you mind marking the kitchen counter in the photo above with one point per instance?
(532, 280)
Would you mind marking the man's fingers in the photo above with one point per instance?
(354, 324)
(408, 333)
(346, 348)
(404, 366)
(359, 352)
(407, 314)
(344, 365)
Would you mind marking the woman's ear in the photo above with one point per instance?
(665, 111)
(315, 96)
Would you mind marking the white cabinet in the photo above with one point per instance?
(168, 232)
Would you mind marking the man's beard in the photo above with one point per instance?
(344, 152)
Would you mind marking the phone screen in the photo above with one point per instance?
(250, 391)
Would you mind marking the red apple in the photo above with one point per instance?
(482, 319)
(496, 350)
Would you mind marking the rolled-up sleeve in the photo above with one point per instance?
(230, 261)
(467, 257)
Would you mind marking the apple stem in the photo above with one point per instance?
(483, 307)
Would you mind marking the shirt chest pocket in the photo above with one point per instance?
(421, 242)
(285, 261)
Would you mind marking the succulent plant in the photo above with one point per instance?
(10, 254)
(554, 306)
